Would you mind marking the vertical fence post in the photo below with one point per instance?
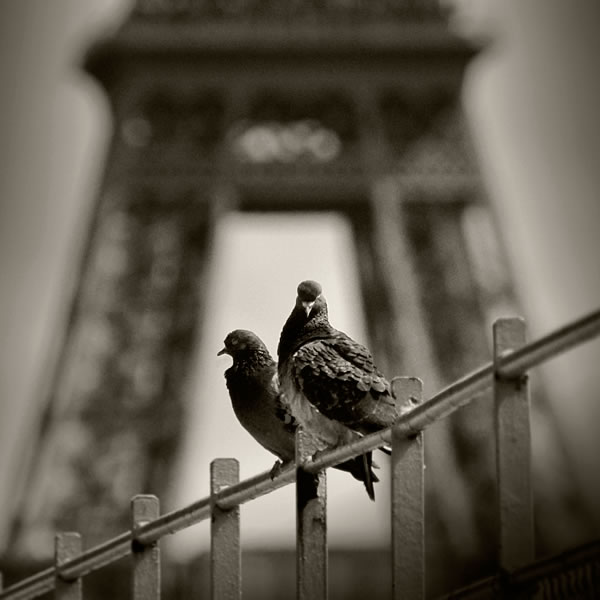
(225, 553)
(66, 546)
(513, 453)
(146, 557)
(311, 525)
(408, 502)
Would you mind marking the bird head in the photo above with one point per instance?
(309, 299)
(240, 341)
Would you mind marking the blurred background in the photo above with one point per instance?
(171, 169)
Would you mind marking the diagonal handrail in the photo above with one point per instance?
(464, 390)
(461, 392)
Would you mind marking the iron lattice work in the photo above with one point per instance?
(114, 420)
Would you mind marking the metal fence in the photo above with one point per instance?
(507, 374)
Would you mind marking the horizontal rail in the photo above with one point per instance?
(440, 405)
(97, 557)
(464, 390)
(237, 494)
(410, 423)
(551, 345)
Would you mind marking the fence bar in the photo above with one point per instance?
(146, 557)
(225, 552)
(410, 423)
(98, 556)
(66, 546)
(246, 490)
(256, 486)
(175, 521)
(438, 406)
(311, 525)
(463, 391)
(513, 453)
(556, 342)
(408, 503)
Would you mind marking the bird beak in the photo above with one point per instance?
(221, 352)
(307, 306)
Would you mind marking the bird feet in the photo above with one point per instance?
(318, 453)
(276, 469)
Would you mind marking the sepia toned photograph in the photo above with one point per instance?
(299, 299)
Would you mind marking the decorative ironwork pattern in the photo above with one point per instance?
(290, 133)
(443, 149)
(173, 130)
(116, 414)
(426, 132)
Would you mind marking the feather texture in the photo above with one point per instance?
(264, 411)
(323, 368)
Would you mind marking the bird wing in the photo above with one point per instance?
(338, 376)
(281, 408)
(325, 432)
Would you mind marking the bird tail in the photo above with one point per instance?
(369, 476)
(361, 468)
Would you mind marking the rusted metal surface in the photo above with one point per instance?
(408, 503)
(311, 525)
(66, 546)
(225, 549)
(513, 453)
(146, 557)
(510, 364)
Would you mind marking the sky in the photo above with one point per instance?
(531, 99)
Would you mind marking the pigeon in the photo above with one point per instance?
(261, 409)
(322, 368)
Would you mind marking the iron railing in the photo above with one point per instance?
(507, 374)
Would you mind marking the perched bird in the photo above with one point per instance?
(321, 367)
(261, 409)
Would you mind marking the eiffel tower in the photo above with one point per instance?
(264, 106)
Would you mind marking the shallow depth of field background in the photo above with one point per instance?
(532, 101)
